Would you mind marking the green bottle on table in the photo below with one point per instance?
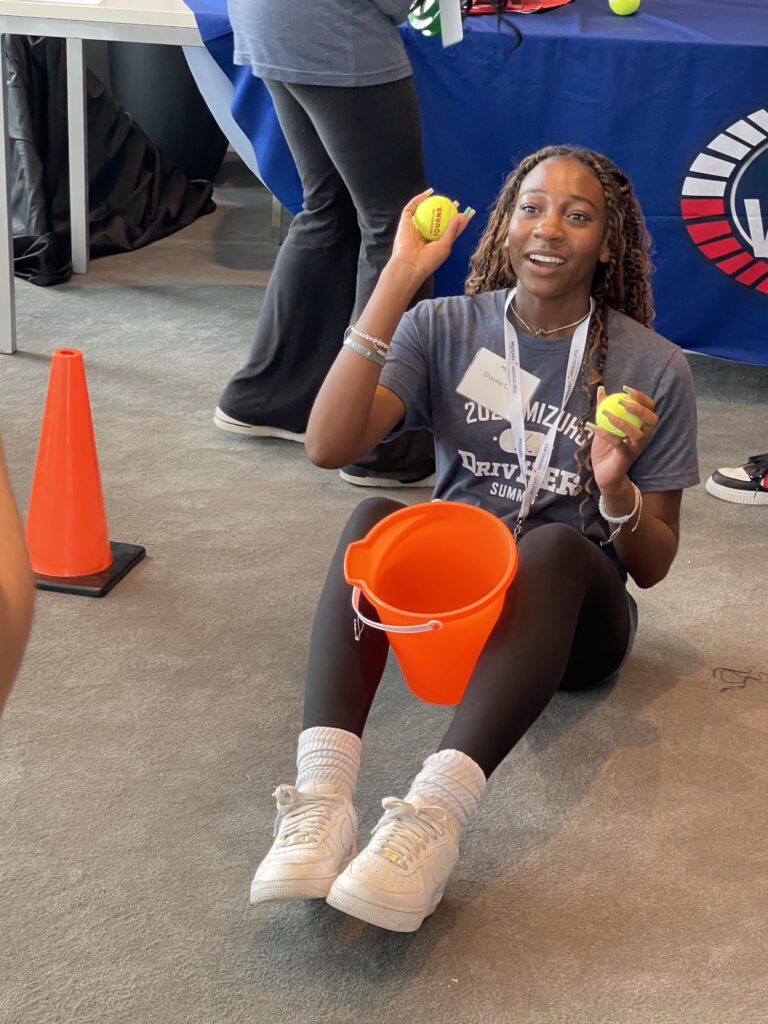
(425, 17)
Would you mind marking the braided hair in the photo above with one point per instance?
(622, 283)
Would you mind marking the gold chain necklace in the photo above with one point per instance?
(538, 332)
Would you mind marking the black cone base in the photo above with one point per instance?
(124, 557)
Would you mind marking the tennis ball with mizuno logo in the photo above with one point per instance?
(613, 404)
(432, 216)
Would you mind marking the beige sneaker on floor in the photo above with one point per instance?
(315, 838)
(399, 878)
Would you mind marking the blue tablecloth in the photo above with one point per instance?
(677, 95)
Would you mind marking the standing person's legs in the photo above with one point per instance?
(358, 152)
(565, 623)
(373, 137)
(310, 295)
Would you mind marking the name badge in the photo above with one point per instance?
(485, 382)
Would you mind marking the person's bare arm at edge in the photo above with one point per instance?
(17, 592)
(352, 412)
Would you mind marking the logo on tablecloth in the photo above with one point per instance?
(725, 200)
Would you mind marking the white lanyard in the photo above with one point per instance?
(516, 421)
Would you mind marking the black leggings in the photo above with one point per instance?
(565, 625)
(358, 152)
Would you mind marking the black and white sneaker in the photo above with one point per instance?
(365, 478)
(225, 422)
(747, 485)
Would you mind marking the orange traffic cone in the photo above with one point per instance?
(66, 523)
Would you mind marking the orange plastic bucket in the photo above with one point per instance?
(437, 574)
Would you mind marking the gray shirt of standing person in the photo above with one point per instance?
(321, 42)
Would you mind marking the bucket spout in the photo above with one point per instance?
(357, 562)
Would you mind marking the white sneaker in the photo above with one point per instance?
(315, 838)
(399, 878)
(225, 422)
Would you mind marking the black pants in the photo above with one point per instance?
(358, 152)
(565, 625)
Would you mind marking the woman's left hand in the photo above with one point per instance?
(611, 455)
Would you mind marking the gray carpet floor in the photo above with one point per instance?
(616, 871)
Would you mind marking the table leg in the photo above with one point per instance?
(78, 155)
(7, 289)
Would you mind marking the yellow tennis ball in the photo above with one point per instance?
(432, 216)
(624, 6)
(613, 404)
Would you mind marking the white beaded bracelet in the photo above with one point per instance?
(362, 350)
(381, 347)
(619, 521)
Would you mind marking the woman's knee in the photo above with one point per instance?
(555, 544)
(326, 221)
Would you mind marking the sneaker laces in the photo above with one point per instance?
(406, 830)
(756, 468)
(301, 817)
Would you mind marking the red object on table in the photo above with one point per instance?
(516, 6)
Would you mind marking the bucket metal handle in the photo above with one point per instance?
(423, 627)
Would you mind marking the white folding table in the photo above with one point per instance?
(133, 21)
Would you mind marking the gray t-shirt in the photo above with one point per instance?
(321, 42)
(432, 368)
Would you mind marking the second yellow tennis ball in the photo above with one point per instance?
(612, 404)
(624, 6)
(432, 216)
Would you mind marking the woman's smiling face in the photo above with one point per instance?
(556, 233)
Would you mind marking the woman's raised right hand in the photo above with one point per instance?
(411, 248)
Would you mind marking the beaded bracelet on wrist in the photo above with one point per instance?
(363, 350)
(379, 346)
(619, 521)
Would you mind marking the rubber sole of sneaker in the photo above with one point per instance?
(296, 888)
(233, 426)
(379, 481)
(736, 495)
(381, 917)
(302, 889)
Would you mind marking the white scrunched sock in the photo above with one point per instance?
(451, 780)
(328, 757)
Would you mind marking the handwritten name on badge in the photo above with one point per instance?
(485, 382)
